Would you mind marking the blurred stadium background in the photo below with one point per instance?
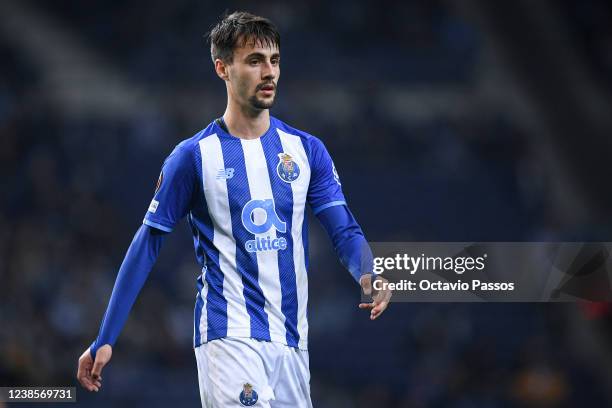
(469, 121)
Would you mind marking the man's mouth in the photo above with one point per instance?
(267, 88)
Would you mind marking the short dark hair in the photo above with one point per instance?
(236, 29)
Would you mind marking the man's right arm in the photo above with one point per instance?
(171, 202)
(137, 264)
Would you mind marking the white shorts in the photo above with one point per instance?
(236, 372)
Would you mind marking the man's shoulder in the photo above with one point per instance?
(192, 143)
(307, 138)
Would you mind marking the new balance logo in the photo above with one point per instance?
(224, 174)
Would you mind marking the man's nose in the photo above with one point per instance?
(267, 71)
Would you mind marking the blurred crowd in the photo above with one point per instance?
(590, 25)
(76, 188)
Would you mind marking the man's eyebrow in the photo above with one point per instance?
(261, 55)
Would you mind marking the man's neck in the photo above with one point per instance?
(251, 125)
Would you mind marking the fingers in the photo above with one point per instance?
(380, 298)
(368, 306)
(380, 303)
(378, 309)
(89, 372)
(84, 372)
(85, 381)
(89, 384)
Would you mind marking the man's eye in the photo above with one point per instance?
(254, 62)
(275, 61)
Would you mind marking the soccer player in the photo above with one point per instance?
(243, 182)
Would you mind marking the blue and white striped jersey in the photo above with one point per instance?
(245, 201)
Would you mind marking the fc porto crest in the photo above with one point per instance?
(287, 169)
(248, 396)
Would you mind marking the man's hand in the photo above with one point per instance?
(89, 372)
(380, 298)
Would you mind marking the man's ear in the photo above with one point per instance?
(222, 69)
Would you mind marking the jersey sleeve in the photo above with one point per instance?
(325, 189)
(348, 240)
(174, 191)
(135, 269)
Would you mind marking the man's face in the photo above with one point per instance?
(253, 75)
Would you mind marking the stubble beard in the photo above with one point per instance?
(257, 103)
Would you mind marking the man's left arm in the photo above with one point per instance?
(327, 200)
(354, 253)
